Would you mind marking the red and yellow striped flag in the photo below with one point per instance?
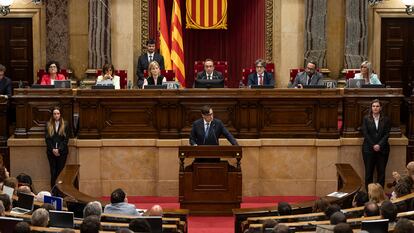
(206, 14)
(164, 35)
(177, 46)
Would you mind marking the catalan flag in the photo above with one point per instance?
(164, 35)
(177, 46)
(206, 14)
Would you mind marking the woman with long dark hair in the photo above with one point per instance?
(375, 149)
(57, 138)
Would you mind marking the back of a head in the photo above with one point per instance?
(403, 187)
(156, 210)
(40, 196)
(11, 182)
(22, 227)
(123, 230)
(48, 206)
(371, 209)
(24, 179)
(337, 217)
(6, 201)
(320, 205)
(376, 193)
(343, 228)
(117, 196)
(331, 209)
(404, 226)
(389, 211)
(280, 228)
(139, 225)
(269, 223)
(90, 224)
(24, 189)
(410, 168)
(40, 218)
(93, 208)
(283, 208)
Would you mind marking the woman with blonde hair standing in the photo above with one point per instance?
(57, 138)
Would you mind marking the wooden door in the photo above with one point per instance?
(397, 53)
(16, 48)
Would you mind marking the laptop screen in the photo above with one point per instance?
(25, 201)
(7, 224)
(62, 84)
(9, 191)
(61, 219)
(54, 201)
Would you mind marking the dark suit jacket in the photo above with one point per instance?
(267, 79)
(6, 86)
(301, 78)
(57, 140)
(203, 75)
(216, 130)
(143, 65)
(372, 136)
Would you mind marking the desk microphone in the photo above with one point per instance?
(54, 186)
(213, 125)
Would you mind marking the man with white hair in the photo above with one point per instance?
(93, 208)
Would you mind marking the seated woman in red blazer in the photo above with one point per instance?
(52, 69)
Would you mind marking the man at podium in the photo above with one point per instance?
(207, 130)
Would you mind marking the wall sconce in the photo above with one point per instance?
(5, 6)
(410, 6)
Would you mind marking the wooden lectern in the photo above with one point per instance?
(213, 187)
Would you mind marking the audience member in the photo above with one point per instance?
(360, 199)
(22, 227)
(3, 175)
(139, 225)
(320, 205)
(123, 230)
(2, 210)
(40, 218)
(337, 217)
(269, 223)
(342, 228)
(52, 73)
(90, 224)
(331, 209)
(371, 209)
(376, 193)
(48, 207)
(25, 189)
(40, 196)
(402, 188)
(283, 208)
(389, 211)
(93, 208)
(308, 77)
(404, 226)
(156, 210)
(11, 182)
(209, 72)
(6, 201)
(119, 204)
(25, 180)
(280, 228)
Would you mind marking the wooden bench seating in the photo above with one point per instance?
(348, 182)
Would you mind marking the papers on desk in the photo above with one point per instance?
(141, 211)
(337, 194)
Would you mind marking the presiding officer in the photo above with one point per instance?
(209, 72)
(207, 130)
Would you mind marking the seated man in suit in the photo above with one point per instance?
(145, 59)
(308, 77)
(209, 72)
(207, 130)
(260, 77)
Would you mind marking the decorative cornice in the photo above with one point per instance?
(144, 23)
(269, 30)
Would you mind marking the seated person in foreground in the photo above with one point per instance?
(119, 204)
(308, 77)
(367, 74)
(154, 75)
(108, 78)
(209, 72)
(260, 77)
(207, 130)
(52, 69)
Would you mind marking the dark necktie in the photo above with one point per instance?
(207, 129)
(261, 79)
(150, 58)
(309, 80)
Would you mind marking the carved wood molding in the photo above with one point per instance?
(269, 30)
(144, 23)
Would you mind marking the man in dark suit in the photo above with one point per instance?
(145, 59)
(308, 77)
(207, 130)
(260, 77)
(209, 72)
(5, 83)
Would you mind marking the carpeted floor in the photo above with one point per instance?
(213, 224)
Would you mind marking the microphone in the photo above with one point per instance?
(54, 186)
(213, 125)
